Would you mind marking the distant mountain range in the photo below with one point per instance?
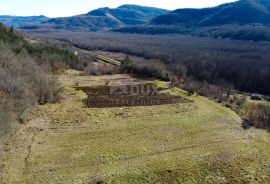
(129, 14)
(101, 19)
(251, 18)
(243, 19)
(241, 12)
(18, 21)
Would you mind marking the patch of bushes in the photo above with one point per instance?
(145, 68)
(25, 81)
(8, 35)
(42, 53)
(97, 69)
(53, 56)
(259, 116)
(241, 63)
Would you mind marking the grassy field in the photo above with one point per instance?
(102, 58)
(195, 142)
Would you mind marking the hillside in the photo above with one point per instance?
(24, 69)
(130, 14)
(194, 142)
(243, 64)
(241, 12)
(78, 23)
(243, 20)
(83, 104)
(18, 21)
(240, 20)
(102, 19)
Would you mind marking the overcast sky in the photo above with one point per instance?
(61, 8)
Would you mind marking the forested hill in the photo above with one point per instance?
(19, 21)
(242, 20)
(241, 12)
(24, 70)
(130, 14)
(101, 19)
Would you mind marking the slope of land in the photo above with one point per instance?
(130, 14)
(24, 80)
(239, 12)
(18, 21)
(101, 57)
(195, 142)
(101, 19)
(243, 64)
(242, 20)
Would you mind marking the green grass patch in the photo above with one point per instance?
(195, 142)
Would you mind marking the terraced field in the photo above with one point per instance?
(195, 142)
(102, 58)
(135, 95)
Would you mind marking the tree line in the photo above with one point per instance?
(245, 65)
(27, 76)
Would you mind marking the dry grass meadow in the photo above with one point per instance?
(194, 142)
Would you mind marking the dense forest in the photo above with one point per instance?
(255, 32)
(245, 65)
(239, 20)
(28, 73)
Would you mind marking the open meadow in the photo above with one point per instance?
(197, 141)
(109, 92)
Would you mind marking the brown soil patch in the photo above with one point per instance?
(107, 96)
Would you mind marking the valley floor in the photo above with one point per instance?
(194, 142)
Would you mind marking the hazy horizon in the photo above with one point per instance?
(61, 8)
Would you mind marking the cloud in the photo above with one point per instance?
(3, 7)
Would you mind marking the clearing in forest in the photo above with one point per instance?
(102, 58)
(127, 96)
(198, 141)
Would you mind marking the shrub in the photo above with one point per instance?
(259, 115)
(44, 54)
(5, 120)
(244, 64)
(25, 82)
(126, 65)
(240, 101)
(145, 68)
(25, 85)
(179, 78)
(100, 69)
